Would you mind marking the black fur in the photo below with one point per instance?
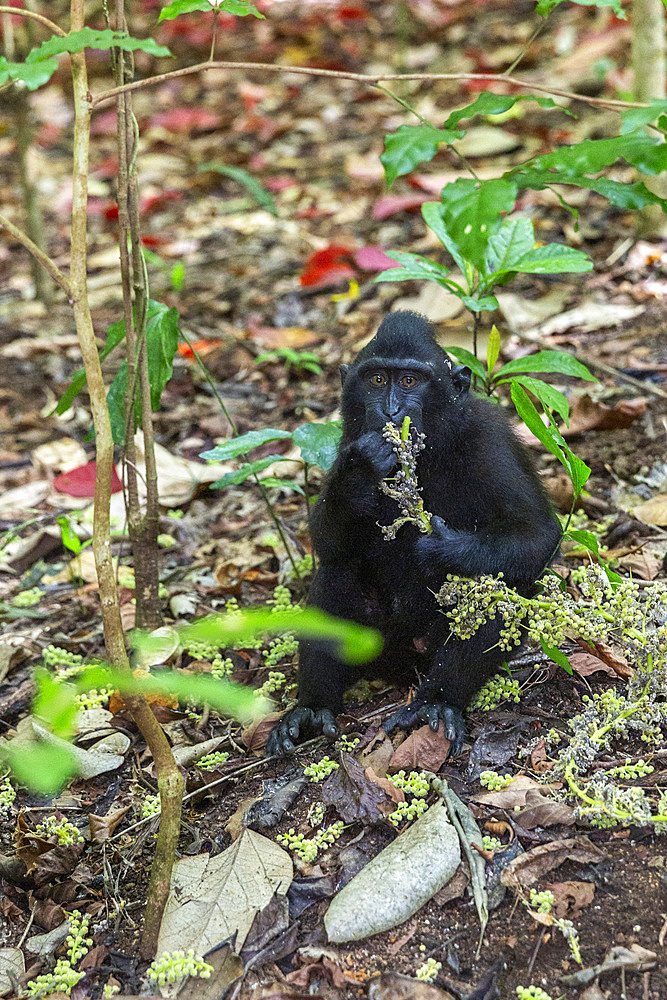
(490, 512)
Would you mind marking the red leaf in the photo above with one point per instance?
(154, 202)
(80, 482)
(200, 346)
(373, 259)
(327, 267)
(185, 119)
(391, 204)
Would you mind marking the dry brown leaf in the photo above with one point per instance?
(588, 414)
(611, 657)
(654, 511)
(396, 794)
(643, 564)
(530, 867)
(586, 664)
(255, 735)
(571, 897)
(422, 750)
(102, 827)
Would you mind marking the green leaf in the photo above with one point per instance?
(116, 403)
(548, 361)
(471, 213)
(31, 76)
(487, 103)
(585, 538)
(91, 38)
(433, 215)
(243, 444)
(55, 703)
(247, 470)
(514, 239)
(544, 7)
(554, 258)
(620, 194)
(548, 396)
(285, 484)
(68, 538)
(250, 183)
(635, 118)
(413, 265)
(492, 349)
(531, 418)
(465, 357)
(42, 767)
(485, 303)
(567, 164)
(319, 442)
(115, 334)
(555, 654)
(410, 145)
(161, 345)
(238, 7)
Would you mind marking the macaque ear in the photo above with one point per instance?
(344, 369)
(461, 377)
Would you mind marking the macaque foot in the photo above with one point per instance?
(304, 722)
(433, 713)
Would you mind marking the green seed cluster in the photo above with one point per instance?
(308, 849)
(65, 832)
(166, 541)
(221, 666)
(315, 813)
(279, 648)
(65, 662)
(347, 744)
(94, 698)
(321, 770)
(232, 608)
(151, 806)
(407, 811)
(630, 771)
(496, 690)
(427, 972)
(63, 979)
(491, 843)
(302, 568)
(77, 941)
(7, 796)
(274, 682)
(494, 781)
(173, 965)
(210, 761)
(28, 598)
(531, 993)
(403, 486)
(541, 901)
(416, 783)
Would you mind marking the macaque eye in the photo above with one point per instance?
(377, 378)
(409, 381)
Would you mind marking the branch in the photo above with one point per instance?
(35, 17)
(43, 259)
(371, 81)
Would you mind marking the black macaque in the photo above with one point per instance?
(491, 515)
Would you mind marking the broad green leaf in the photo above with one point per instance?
(554, 258)
(413, 265)
(250, 183)
(238, 7)
(492, 349)
(161, 345)
(485, 303)
(55, 703)
(531, 418)
(547, 395)
(410, 145)
(285, 484)
(555, 654)
(433, 215)
(577, 469)
(544, 7)
(647, 153)
(247, 470)
(514, 239)
(487, 103)
(45, 768)
(465, 357)
(115, 405)
(115, 334)
(585, 538)
(319, 442)
(635, 118)
(69, 539)
(548, 361)
(471, 213)
(90, 38)
(31, 76)
(619, 194)
(243, 444)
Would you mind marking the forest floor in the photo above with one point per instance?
(244, 282)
